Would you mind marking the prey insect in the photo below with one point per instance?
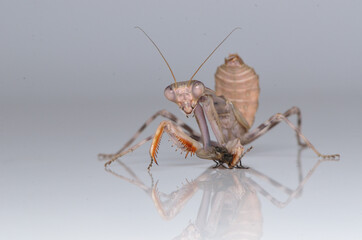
(230, 111)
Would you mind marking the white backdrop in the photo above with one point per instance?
(77, 79)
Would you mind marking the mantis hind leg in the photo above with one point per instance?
(277, 118)
(292, 111)
(296, 111)
(272, 122)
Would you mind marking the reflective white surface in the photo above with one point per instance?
(77, 80)
(53, 186)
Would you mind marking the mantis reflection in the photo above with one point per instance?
(230, 207)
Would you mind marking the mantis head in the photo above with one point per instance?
(185, 94)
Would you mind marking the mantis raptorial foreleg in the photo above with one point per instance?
(162, 113)
(181, 139)
(178, 137)
(230, 153)
(274, 120)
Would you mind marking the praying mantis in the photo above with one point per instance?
(230, 111)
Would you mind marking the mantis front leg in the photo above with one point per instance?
(178, 137)
(163, 113)
(189, 145)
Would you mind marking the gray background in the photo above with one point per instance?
(77, 79)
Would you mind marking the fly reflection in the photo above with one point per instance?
(230, 207)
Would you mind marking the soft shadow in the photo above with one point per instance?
(230, 207)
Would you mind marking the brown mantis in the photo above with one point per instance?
(229, 110)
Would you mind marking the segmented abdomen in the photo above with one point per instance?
(240, 84)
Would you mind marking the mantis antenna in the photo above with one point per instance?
(159, 52)
(211, 54)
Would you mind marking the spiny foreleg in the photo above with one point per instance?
(162, 113)
(237, 151)
(177, 136)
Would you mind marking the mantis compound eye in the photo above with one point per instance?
(198, 89)
(170, 94)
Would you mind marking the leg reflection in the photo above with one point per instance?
(230, 207)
